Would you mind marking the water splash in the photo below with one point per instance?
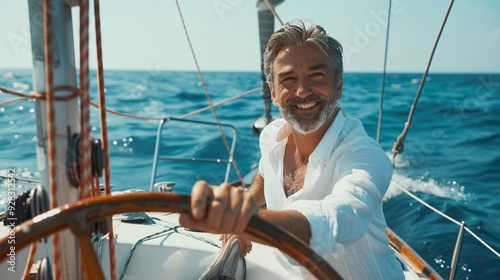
(449, 188)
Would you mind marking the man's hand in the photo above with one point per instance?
(223, 209)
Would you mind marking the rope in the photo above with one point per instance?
(42, 96)
(435, 210)
(235, 165)
(271, 8)
(51, 129)
(199, 238)
(85, 148)
(185, 116)
(85, 166)
(11, 101)
(76, 93)
(195, 112)
(399, 144)
(169, 230)
(104, 132)
(126, 115)
(98, 237)
(149, 237)
(381, 105)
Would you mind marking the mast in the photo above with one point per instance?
(266, 29)
(67, 118)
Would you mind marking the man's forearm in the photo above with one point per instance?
(290, 220)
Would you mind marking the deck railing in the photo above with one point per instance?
(157, 157)
(462, 227)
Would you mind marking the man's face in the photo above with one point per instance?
(303, 87)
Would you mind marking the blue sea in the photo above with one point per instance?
(451, 156)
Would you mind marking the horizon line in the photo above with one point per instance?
(255, 71)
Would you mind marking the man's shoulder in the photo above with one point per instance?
(353, 127)
(272, 130)
(275, 125)
(355, 136)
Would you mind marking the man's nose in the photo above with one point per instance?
(303, 88)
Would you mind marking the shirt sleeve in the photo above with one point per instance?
(346, 213)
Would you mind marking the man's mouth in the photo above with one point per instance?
(306, 105)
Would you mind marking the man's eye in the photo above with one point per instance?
(288, 80)
(318, 75)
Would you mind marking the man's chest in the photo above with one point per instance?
(293, 178)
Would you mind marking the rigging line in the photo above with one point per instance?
(75, 91)
(399, 144)
(382, 87)
(421, 201)
(271, 8)
(162, 233)
(235, 165)
(13, 92)
(101, 94)
(127, 115)
(104, 132)
(185, 116)
(482, 242)
(51, 130)
(41, 96)
(12, 101)
(195, 112)
(85, 147)
(426, 204)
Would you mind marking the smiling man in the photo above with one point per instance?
(320, 176)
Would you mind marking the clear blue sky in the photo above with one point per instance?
(148, 35)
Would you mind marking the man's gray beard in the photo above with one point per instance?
(308, 123)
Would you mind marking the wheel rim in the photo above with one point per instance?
(77, 216)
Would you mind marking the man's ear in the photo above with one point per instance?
(273, 95)
(340, 85)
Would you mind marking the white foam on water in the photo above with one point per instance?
(446, 189)
(436, 187)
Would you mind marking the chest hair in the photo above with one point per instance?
(293, 178)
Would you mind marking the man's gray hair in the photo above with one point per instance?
(300, 32)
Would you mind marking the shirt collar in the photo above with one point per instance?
(326, 145)
(284, 132)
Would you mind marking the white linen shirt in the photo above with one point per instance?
(346, 178)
